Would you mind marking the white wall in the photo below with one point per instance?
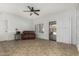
(67, 21)
(66, 26)
(78, 28)
(13, 22)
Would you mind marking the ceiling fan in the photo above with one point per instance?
(32, 10)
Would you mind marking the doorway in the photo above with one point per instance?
(52, 30)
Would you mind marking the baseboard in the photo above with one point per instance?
(7, 40)
(42, 39)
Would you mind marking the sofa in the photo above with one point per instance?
(26, 35)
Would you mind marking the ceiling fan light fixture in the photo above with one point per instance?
(32, 10)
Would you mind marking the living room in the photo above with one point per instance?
(34, 18)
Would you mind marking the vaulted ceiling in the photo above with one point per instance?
(45, 8)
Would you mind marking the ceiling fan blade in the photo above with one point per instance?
(36, 10)
(25, 11)
(31, 14)
(29, 7)
(36, 13)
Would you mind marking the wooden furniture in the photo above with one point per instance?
(28, 35)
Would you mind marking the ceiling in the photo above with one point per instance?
(45, 8)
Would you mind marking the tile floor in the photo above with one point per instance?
(36, 48)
